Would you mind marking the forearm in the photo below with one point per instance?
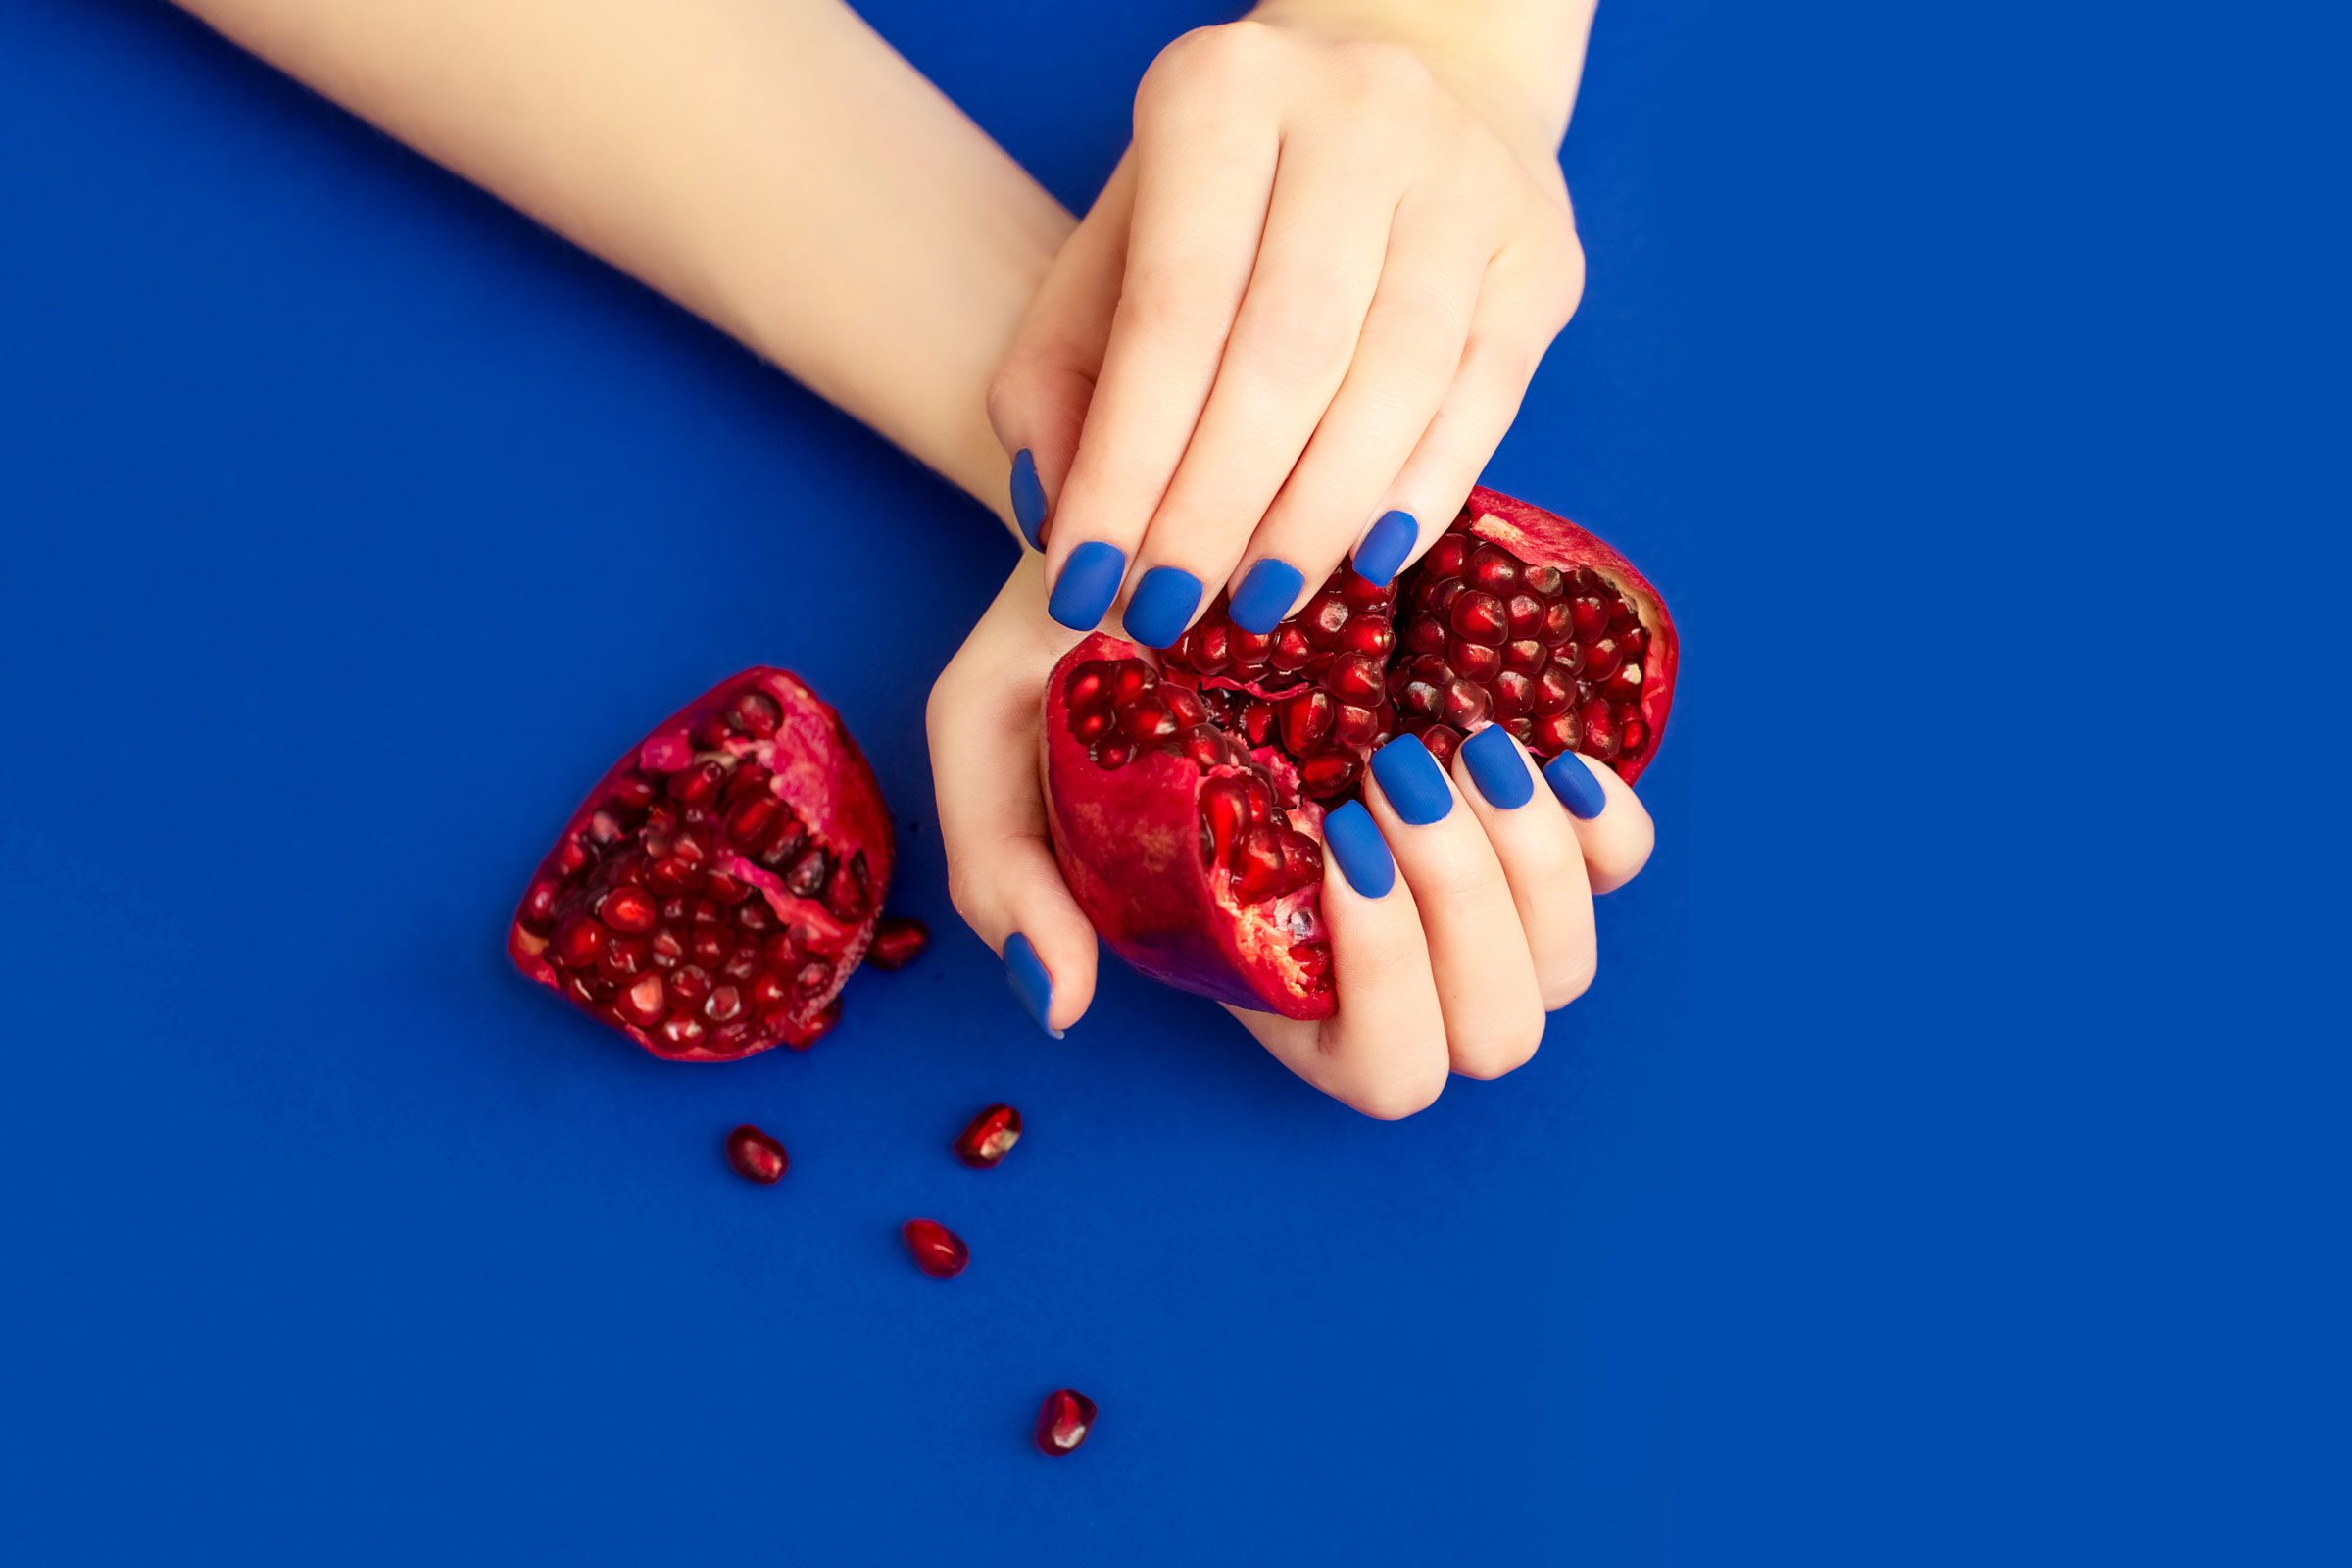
(1517, 62)
(772, 164)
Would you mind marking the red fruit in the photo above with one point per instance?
(899, 941)
(755, 1156)
(990, 1136)
(1196, 848)
(719, 884)
(938, 1251)
(1063, 1422)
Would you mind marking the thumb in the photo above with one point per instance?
(1001, 876)
(1038, 399)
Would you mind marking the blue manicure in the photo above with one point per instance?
(1089, 582)
(1354, 841)
(1028, 498)
(1496, 770)
(1412, 781)
(1382, 554)
(1573, 782)
(1162, 606)
(1026, 973)
(1265, 596)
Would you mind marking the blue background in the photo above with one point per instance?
(1930, 1177)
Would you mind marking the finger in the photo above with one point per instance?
(1037, 400)
(1406, 360)
(1477, 948)
(1530, 291)
(1611, 823)
(1202, 175)
(1002, 874)
(1536, 842)
(1293, 336)
(1383, 1052)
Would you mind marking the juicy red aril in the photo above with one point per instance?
(937, 1250)
(1236, 743)
(898, 940)
(1063, 1422)
(720, 882)
(755, 1155)
(989, 1138)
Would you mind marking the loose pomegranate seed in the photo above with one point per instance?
(1063, 1421)
(899, 941)
(989, 1138)
(937, 1250)
(755, 1156)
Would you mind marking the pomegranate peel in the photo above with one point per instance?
(719, 884)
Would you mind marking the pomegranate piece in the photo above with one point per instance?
(937, 1250)
(899, 941)
(1185, 797)
(984, 1144)
(755, 1155)
(1063, 1421)
(719, 884)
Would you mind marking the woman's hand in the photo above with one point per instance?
(1300, 316)
(1447, 968)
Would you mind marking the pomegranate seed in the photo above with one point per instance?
(1063, 1422)
(899, 941)
(937, 1250)
(989, 1137)
(755, 1155)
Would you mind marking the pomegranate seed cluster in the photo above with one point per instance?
(664, 912)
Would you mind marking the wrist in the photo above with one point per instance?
(1513, 63)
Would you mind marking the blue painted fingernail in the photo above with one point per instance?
(1573, 782)
(1028, 498)
(1496, 770)
(1162, 606)
(1089, 582)
(1354, 841)
(1412, 781)
(1026, 973)
(1265, 596)
(1382, 554)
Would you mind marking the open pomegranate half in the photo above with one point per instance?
(1185, 797)
(717, 888)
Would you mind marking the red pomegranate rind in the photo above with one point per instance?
(720, 883)
(1130, 842)
(1535, 535)
(1514, 616)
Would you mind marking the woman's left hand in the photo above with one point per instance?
(1294, 325)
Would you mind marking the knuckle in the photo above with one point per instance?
(1458, 877)
(1165, 301)
(1499, 1048)
(1381, 70)
(1570, 981)
(1212, 60)
(1395, 1099)
(1417, 327)
(1294, 346)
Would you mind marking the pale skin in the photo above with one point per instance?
(1314, 291)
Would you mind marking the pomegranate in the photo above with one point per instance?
(756, 1156)
(1186, 798)
(899, 941)
(984, 1144)
(937, 1250)
(717, 888)
(1063, 1421)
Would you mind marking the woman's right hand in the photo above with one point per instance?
(1459, 905)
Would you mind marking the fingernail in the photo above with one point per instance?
(1028, 498)
(1026, 973)
(1496, 770)
(1382, 554)
(1265, 596)
(1412, 781)
(1089, 582)
(1354, 841)
(1162, 606)
(1572, 780)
